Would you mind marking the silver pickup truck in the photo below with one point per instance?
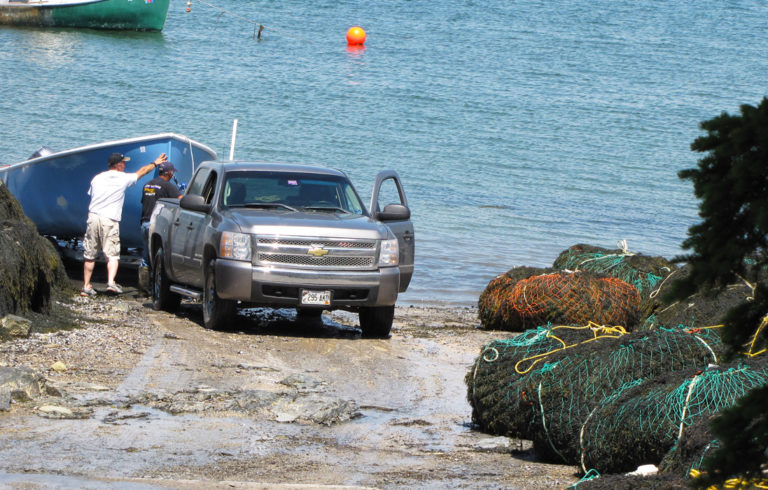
(282, 235)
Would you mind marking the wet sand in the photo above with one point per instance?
(160, 401)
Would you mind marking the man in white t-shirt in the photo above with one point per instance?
(103, 228)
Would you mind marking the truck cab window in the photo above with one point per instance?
(389, 193)
(196, 187)
(209, 189)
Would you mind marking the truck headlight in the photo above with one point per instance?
(235, 246)
(390, 253)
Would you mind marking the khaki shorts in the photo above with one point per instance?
(101, 234)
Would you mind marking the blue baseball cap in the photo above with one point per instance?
(166, 168)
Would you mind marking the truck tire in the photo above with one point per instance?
(162, 297)
(216, 311)
(376, 321)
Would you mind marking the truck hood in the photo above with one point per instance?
(315, 224)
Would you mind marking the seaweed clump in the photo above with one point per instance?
(31, 270)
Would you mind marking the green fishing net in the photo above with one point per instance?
(642, 271)
(640, 424)
(499, 405)
(699, 309)
(544, 385)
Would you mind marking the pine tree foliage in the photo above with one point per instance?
(732, 183)
(728, 245)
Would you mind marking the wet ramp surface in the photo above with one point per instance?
(274, 401)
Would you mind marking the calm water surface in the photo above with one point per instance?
(519, 128)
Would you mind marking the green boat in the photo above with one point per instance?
(140, 15)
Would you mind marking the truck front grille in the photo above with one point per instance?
(328, 254)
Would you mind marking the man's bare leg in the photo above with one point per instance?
(112, 264)
(87, 273)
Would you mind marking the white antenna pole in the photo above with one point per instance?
(232, 145)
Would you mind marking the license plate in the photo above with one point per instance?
(315, 297)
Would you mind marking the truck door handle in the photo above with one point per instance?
(177, 222)
(190, 226)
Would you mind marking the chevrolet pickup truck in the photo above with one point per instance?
(249, 234)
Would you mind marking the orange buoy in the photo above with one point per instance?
(355, 36)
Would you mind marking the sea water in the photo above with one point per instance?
(519, 128)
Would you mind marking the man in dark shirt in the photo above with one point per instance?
(155, 189)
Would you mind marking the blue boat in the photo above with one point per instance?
(52, 187)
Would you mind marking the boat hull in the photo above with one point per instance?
(142, 15)
(53, 189)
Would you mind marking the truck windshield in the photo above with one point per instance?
(290, 192)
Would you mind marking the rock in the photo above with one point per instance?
(320, 409)
(51, 390)
(58, 366)
(15, 326)
(257, 367)
(254, 400)
(96, 387)
(302, 382)
(121, 307)
(644, 470)
(55, 410)
(59, 412)
(499, 444)
(5, 400)
(22, 383)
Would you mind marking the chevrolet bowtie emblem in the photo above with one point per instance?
(317, 251)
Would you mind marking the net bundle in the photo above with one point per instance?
(499, 406)
(514, 303)
(549, 402)
(572, 299)
(699, 309)
(494, 311)
(644, 272)
(583, 378)
(640, 424)
(695, 444)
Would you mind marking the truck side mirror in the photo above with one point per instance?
(194, 202)
(394, 212)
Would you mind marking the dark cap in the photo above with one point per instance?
(166, 168)
(116, 158)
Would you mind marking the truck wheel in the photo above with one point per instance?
(376, 321)
(162, 297)
(216, 311)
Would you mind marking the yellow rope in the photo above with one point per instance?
(598, 332)
(751, 352)
(733, 482)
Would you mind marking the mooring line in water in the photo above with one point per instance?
(257, 27)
